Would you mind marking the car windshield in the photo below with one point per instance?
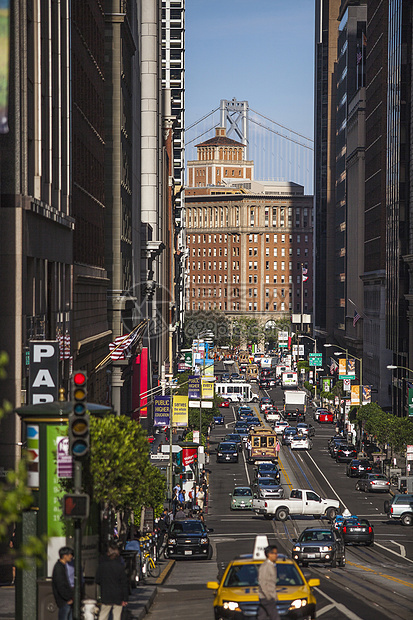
(187, 527)
(265, 482)
(242, 492)
(227, 446)
(377, 477)
(233, 437)
(266, 467)
(316, 536)
(246, 575)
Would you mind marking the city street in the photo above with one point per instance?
(377, 581)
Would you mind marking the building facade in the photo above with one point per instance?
(247, 242)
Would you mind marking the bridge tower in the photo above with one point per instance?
(234, 116)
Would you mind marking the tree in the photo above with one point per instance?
(199, 321)
(120, 475)
(15, 497)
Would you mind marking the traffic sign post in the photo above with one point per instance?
(76, 506)
(316, 359)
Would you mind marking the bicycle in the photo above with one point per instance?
(148, 566)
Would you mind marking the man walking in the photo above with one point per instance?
(267, 586)
(111, 577)
(62, 590)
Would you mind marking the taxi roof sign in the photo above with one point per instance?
(260, 543)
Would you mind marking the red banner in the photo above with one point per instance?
(189, 455)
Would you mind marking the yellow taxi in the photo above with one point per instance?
(236, 596)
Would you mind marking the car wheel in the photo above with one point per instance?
(281, 514)
(386, 505)
(331, 513)
(268, 517)
(357, 487)
(406, 519)
(370, 543)
(209, 556)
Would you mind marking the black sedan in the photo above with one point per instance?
(357, 531)
(188, 539)
(227, 452)
(357, 467)
(268, 470)
(288, 433)
(345, 453)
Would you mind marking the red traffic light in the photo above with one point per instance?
(79, 378)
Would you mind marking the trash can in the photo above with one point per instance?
(46, 605)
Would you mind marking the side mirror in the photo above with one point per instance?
(313, 583)
(214, 585)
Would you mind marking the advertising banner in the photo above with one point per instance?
(207, 389)
(326, 384)
(194, 386)
(351, 367)
(4, 64)
(342, 368)
(180, 411)
(55, 524)
(366, 394)
(355, 394)
(189, 456)
(209, 368)
(188, 359)
(161, 406)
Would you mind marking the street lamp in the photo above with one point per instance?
(337, 346)
(392, 367)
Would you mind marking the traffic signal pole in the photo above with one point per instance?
(77, 545)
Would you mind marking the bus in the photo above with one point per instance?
(236, 392)
(263, 445)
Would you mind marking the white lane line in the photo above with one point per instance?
(325, 609)
(339, 606)
(394, 552)
(328, 482)
(402, 548)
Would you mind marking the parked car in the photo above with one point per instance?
(400, 507)
(188, 539)
(235, 376)
(356, 531)
(345, 453)
(235, 438)
(225, 377)
(322, 545)
(373, 482)
(236, 596)
(241, 499)
(225, 403)
(334, 446)
(227, 452)
(357, 467)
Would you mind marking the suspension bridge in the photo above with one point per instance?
(279, 153)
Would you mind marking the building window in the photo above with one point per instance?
(250, 292)
(298, 251)
(267, 251)
(267, 292)
(275, 306)
(282, 306)
(282, 238)
(282, 279)
(290, 279)
(250, 251)
(255, 238)
(267, 279)
(252, 217)
(267, 305)
(267, 238)
(283, 292)
(282, 251)
(255, 306)
(250, 279)
(275, 251)
(290, 265)
(305, 251)
(255, 279)
(266, 218)
(250, 306)
(267, 264)
(250, 264)
(275, 280)
(275, 265)
(255, 292)
(274, 216)
(282, 266)
(255, 265)
(275, 238)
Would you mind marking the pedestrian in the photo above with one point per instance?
(111, 577)
(62, 590)
(267, 586)
(277, 448)
(175, 501)
(181, 497)
(200, 498)
(180, 514)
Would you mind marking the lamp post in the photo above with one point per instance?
(402, 367)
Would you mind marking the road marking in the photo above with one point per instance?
(328, 482)
(284, 473)
(394, 552)
(402, 548)
(375, 572)
(339, 606)
(324, 610)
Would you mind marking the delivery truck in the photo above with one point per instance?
(295, 405)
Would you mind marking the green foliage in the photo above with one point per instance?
(327, 395)
(385, 427)
(15, 497)
(303, 365)
(338, 388)
(190, 437)
(121, 475)
(198, 321)
(309, 387)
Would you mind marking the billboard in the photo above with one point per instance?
(180, 411)
(194, 386)
(207, 389)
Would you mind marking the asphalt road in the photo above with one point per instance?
(377, 582)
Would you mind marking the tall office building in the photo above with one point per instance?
(326, 26)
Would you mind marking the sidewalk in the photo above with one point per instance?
(140, 600)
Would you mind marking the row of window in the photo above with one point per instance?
(252, 238)
(252, 279)
(276, 216)
(214, 292)
(252, 306)
(252, 265)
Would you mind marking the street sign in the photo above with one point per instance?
(316, 359)
(346, 385)
(349, 377)
(204, 404)
(175, 448)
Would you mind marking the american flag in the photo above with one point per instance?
(305, 274)
(356, 317)
(333, 365)
(120, 348)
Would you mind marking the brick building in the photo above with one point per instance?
(247, 241)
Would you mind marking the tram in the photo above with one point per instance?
(263, 442)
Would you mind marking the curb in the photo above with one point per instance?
(165, 573)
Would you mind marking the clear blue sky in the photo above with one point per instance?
(261, 51)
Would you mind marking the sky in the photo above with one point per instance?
(261, 51)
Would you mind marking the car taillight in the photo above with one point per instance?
(370, 529)
(344, 529)
(266, 505)
(391, 510)
(354, 468)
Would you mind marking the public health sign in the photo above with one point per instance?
(194, 386)
(161, 407)
(180, 411)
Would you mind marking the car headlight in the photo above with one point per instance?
(231, 605)
(234, 501)
(219, 453)
(297, 548)
(234, 454)
(204, 541)
(326, 548)
(299, 602)
(172, 541)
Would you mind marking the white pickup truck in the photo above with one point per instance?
(300, 502)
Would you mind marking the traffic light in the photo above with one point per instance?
(76, 506)
(79, 419)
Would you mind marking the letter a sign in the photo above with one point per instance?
(43, 371)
